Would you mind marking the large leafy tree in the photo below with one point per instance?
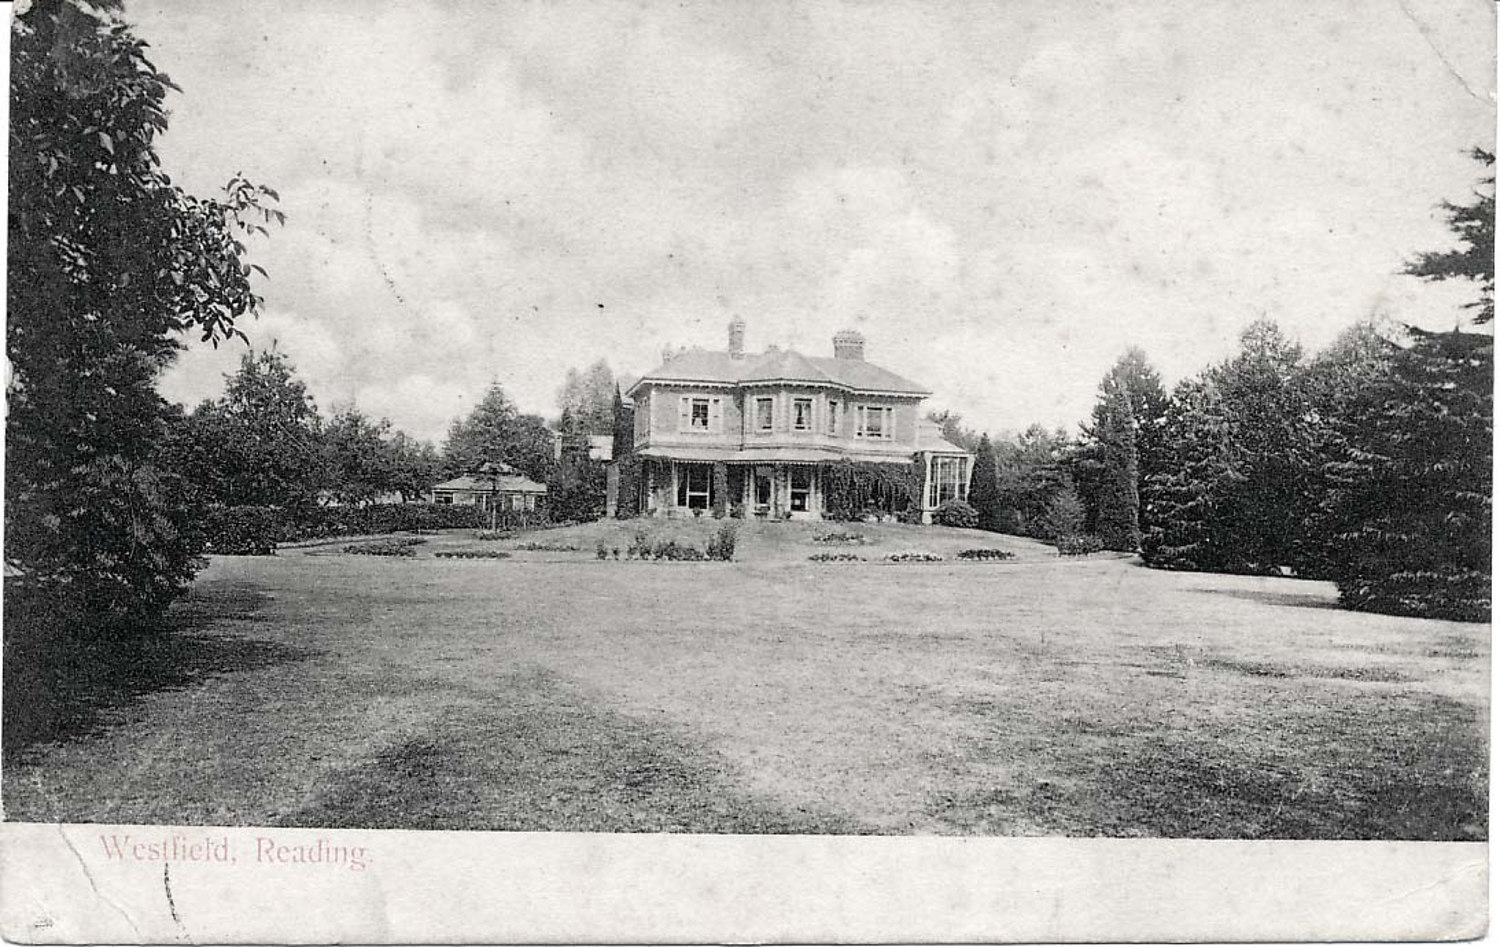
(587, 400)
(109, 263)
(1032, 471)
(360, 460)
(497, 432)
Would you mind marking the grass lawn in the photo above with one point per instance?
(548, 690)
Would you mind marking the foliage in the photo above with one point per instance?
(576, 490)
(1474, 226)
(1413, 484)
(108, 263)
(546, 547)
(1182, 506)
(984, 490)
(473, 554)
(982, 554)
(956, 512)
(243, 530)
(1120, 447)
(721, 545)
(835, 557)
(851, 489)
(586, 400)
(951, 425)
(1032, 470)
(720, 489)
(1065, 515)
(601, 551)
(913, 557)
(388, 547)
(1079, 545)
(838, 536)
(496, 432)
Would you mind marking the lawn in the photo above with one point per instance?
(551, 691)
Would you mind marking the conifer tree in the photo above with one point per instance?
(1183, 507)
(984, 489)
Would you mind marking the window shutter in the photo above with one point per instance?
(684, 414)
(716, 415)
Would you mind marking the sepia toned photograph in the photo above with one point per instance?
(925, 421)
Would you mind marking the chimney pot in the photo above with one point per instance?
(850, 344)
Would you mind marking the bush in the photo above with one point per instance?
(386, 547)
(673, 551)
(737, 511)
(548, 547)
(983, 554)
(721, 546)
(474, 554)
(841, 537)
(956, 513)
(913, 557)
(1079, 545)
(243, 530)
(835, 557)
(601, 551)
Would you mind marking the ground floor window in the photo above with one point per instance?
(948, 480)
(444, 498)
(801, 485)
(694, 483)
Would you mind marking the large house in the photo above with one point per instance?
(773, 431)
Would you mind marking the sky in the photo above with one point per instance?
(1002, 196)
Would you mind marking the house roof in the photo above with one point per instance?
(770, 455)
(784, 365)
(930, 439)
(514, 483)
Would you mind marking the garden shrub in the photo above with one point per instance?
(956, 513)
(835, 557)
(1079, 545)
(547, 547)
(721, 546)
(601, 551)
(841, 537)
(386, 547)
(242, 530)
(982, 554)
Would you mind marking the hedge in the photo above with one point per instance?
(255, 530)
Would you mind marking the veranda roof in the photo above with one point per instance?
(514, 483)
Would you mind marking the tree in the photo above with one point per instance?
(1184, 511)
(984, 491)
(275, 454)
(415, 466)
(1414, 485)
(496, 432)
(1032, 470)
(108, 263)
(951, 424)
(1265, 500)
(1111, 444)
(587, 400)
(1064, 516)
(1474, 260)
(360, 461)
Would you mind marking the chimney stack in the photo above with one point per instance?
(737, 338)
(849, 343)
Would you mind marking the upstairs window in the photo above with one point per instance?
(874, 423)
(763, 414)
(699, 414)
(833, 418)
(802, 414)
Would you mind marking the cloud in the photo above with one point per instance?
(1002, 197)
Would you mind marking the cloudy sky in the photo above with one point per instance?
(1001, 195)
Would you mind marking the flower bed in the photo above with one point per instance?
(986, 554)
(474, 554)
(836, 557)
(386, 547)
(913, 557)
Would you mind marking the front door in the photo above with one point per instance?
(762, 485)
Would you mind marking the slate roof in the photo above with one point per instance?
(784, 365)
(513, 483)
